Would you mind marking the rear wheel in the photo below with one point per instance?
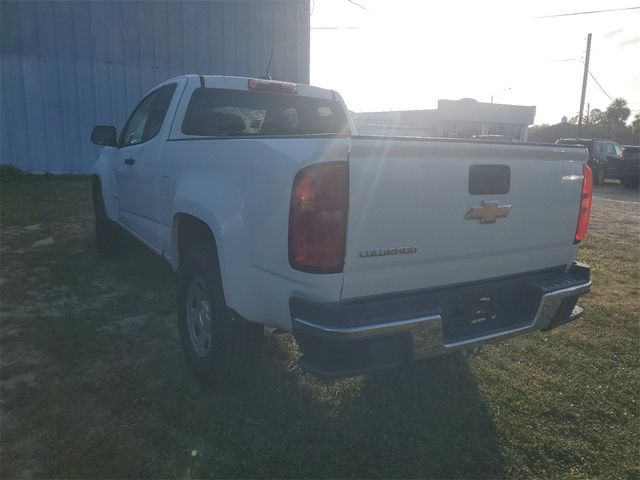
(220, 348)
(106, 231)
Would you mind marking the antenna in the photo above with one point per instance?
(267, 76)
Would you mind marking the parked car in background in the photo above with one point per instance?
(630, 166)
(604, 157)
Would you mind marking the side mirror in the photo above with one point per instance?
(103, 135)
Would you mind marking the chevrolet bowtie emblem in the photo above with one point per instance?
(488, 212)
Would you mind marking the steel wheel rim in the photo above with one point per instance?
(199, 315)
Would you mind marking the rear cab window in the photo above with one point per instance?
(215, 112)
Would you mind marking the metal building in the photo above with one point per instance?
(69, 65)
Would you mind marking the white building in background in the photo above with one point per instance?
(69, 65)
(453, 118)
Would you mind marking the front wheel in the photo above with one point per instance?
(220, 348)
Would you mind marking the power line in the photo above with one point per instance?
(588, 12)
(358, 5)
(591, 74)
(562, 60)
(598, 83)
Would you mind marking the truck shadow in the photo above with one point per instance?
(427, 421)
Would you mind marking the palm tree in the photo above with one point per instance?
(618, 111)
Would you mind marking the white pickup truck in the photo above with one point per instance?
(372, 251)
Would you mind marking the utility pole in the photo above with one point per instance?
(584, 84)
(587, 119)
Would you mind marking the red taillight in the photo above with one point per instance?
(585, 204)
(318, 218)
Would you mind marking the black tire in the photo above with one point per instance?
(221, 348)
(599, 176)
(106, 231)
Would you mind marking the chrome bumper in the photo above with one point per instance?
(425, 332)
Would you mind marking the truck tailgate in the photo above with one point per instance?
(409, 197)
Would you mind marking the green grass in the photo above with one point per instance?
(94, 383)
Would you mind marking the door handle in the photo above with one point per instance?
(129, 161)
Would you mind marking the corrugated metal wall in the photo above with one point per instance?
(69, 65)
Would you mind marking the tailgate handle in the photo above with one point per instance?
(489, 179)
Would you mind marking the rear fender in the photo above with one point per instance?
(220, 208)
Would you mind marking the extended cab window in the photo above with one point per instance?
(165, 94)
(214, 112)
(147, 118)
(134, 128)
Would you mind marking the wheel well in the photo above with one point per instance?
(191, 231)
(95, 185)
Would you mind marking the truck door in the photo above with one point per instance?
(136, 169)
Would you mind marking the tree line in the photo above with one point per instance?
(615, 116)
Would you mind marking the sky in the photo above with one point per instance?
(406, 54)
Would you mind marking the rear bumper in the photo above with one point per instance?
(348, 338)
